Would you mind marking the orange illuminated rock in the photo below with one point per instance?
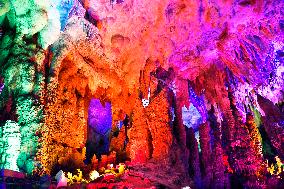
(139, 135)
(158, 124)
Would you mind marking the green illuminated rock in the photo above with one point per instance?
(28, 25)
(20, 77)
(4, 8)
(12, 143)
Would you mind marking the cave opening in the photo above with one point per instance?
(99, 129)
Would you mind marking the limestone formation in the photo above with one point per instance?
(152, 62)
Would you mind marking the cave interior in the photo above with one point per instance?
(142, 94)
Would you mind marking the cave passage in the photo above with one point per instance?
(99, 129)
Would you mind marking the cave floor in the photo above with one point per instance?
(142, 176)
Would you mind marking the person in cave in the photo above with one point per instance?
(126, 126)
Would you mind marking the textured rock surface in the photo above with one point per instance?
(11, 144)
(56, 55)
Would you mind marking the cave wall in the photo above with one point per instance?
(57, 55)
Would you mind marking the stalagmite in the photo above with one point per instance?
(194, 162)
(206, 154)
